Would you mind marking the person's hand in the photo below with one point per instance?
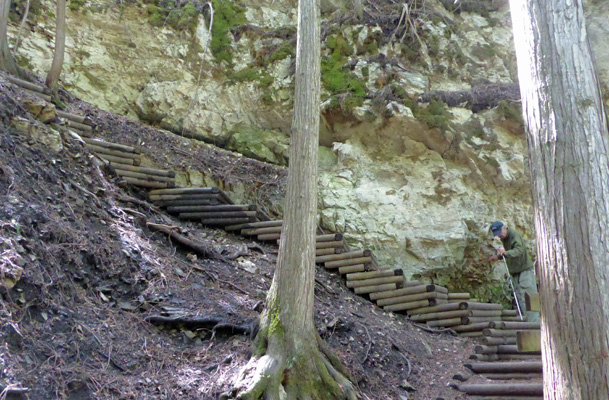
(493, 258)
(501, 251)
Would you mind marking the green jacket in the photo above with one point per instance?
(516, 255)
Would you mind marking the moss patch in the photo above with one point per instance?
(183, 18)
(336, 77)
(226, 16)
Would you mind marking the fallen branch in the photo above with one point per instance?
(198, 247)
(214, 324)
(369, 344)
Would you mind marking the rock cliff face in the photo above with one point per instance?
(415, 179)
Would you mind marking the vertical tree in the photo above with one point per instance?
(291, 359)
(60, 43)
(7, 62)
(568, 146)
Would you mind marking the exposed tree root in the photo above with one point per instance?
(315, 374)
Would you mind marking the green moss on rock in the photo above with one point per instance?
(227, 15)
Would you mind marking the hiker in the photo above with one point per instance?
(520, 267)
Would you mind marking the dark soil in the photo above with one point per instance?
(87, 272)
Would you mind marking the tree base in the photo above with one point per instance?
(316, 374)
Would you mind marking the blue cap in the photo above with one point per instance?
(496, 228)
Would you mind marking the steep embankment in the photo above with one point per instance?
(80, 271)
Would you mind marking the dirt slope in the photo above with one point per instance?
(87, 272)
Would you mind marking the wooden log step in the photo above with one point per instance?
(475, 320)
(142, 170)
(509, 313)
(437, 308)
(374, 274)
(494, 341)
(179, 203)
(333, 244)
(144, 183)
(45, 97)
(262, 231)
(349, 269)
(224, 221)
(408, 298)
(470, 327)
(518, 325)
(109, 145)
(501, 349)
(514, 375)
(481, 357)
(76, 118)
(343, 256)
(25, 84)
(411, 305)
(411, 291)
(143, 177)
(193, 196)
(277, 236)
(376, 288)
(413, 283)
(115, 159)
(505, 389)
(219, 214)
(112, 152)
(78, 125)
(511, 319)
(253, 225)
(504, 367)
(375, 281)
(217, 208)
(446, 323)
(348, 261)
(499, 332)
(481, 306)
(458, 296)
(329, 237)
(324, 252)
(185, 191)
(439, 315)
(513, 349)
(520, 357)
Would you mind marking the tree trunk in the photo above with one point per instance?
(568, 146)
(7, 62)
(292, 360)
(60, 44)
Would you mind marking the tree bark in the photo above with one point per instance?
(292, 361)
(568, 146)
(7, 62)
(60, 43)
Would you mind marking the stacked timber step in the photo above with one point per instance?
(510, 357)
(126, 163)
(81, 124)
(208, 205)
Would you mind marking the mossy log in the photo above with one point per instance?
(411, 305)
(374, 274)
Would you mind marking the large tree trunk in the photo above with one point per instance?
(60, 44)
(292, 360)
(568, 145)
(7, 62)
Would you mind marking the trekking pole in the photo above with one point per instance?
(513, 290)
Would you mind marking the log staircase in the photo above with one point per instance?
(509, 349)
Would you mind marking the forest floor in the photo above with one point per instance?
(80, 271)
